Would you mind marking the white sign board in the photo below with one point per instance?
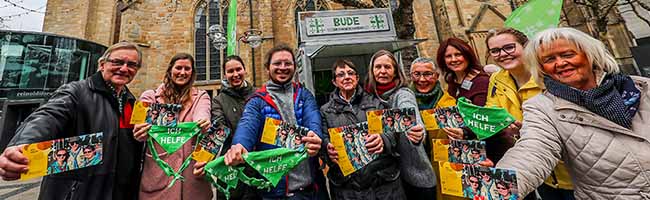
(347, 24)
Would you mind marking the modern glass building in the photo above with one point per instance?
(32, 66)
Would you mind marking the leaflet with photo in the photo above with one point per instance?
(391, 120)
(448, 117)
(212, 144)
(283, 134)
(163, 114)
(350, 144)
(478, 182)
(459, 151)
(62, 155)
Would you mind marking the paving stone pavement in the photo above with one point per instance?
(20, 190)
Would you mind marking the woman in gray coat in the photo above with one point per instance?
(387, 81)
(348, 104)
(591, 116)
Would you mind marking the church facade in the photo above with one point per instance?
(166, 27)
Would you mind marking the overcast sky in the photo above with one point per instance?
(29, 21)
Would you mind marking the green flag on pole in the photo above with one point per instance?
(535, 16)
(232, 28)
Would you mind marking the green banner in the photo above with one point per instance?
(484, 121)
(272, 164)
(232, 28)
(172, 138)
(535, 16)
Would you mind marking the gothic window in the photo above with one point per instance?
(307, 5)
(207, 58)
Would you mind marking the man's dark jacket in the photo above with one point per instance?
(85, 107)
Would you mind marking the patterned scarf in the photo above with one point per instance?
(616, 99)
(119, 97)
(430, 99)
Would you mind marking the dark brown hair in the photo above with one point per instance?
(232, 57)
(465, 49)
(341, 63)
(178, 94)
(278, 48)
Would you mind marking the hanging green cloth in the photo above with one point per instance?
(272, 164)
(171, 139)
(484, 121)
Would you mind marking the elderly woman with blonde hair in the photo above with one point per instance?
(591, 116)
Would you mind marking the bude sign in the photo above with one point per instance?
(347, 24)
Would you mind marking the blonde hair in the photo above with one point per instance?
(596, 52)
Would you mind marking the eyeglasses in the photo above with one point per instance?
(87, 151)
(426, 75)
(342, 74)
(120, 62)
(508, 49)
(60, 155)
(501, 188)
(473, 182)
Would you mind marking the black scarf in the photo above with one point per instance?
(616, 99)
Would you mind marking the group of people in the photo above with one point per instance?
(73, 153)
(575, 113)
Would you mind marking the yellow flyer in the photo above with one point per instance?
(139, 114)
(270, 130)
(212, 144)
(374, 121)
(429, 119)
(350, 144)
(337, 140)
(441, 150)
(283, 134)
(61, 155)
(391, 120)
(451, 178)
(37, 155)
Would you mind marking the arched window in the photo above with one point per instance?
(207, 58)
(307, 5)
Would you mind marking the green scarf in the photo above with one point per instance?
(430, 99)
(484, 121)
(272, 164)
(171, 139)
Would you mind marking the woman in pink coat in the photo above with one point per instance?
(176, 89)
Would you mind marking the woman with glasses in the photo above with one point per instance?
(348, 105)
(177, 88)
(387, 81)
(508, 89)
(591, 116)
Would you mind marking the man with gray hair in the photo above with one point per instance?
(100, 103)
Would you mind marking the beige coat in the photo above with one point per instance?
(605, 160)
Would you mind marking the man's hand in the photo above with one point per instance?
(13, 163)
(234, 155)
(312, 143)
(374, 143)
(486, 163)
(331, 151)
(199, 169)
(415, 134)
(515, 125)
(204, 124)
(454, 133)
(140, 132)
